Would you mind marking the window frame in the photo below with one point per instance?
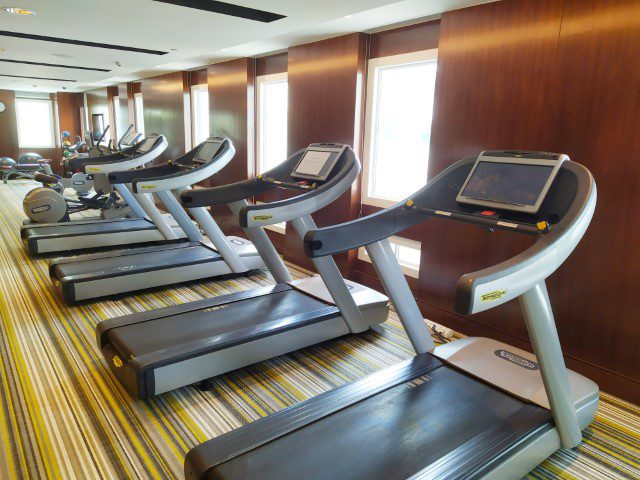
(408, 270)
(194, 89)
(370, 115)
(260, 81)
(49, 103)
(139, 116)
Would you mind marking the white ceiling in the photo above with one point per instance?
(193, 38)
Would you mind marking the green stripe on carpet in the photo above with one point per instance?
(64, 416)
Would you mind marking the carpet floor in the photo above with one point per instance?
(64, 416)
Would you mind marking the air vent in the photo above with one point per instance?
(25, 62)
(38, 78)
(227, 9)
(69, 41)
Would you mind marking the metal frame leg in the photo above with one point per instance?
(546, 345)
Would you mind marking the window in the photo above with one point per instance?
(398, 126)
(407, 252)
(119, 118)
(271, 132)
(199, 113)
(139, 111)
(35, 123)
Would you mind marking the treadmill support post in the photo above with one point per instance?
(179, 215)
(146, 202)
(130, 200)
(541, 326)
(392, 278)
(332, 278)
(263, 245)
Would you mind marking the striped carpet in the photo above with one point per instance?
(63, 415)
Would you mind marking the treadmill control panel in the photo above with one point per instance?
(512, 181)
(208, 150)
(147, 144)
(318, 161)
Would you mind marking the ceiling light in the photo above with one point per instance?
(1, 49)
(347, 16)
(19, 11)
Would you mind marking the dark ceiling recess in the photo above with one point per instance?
(227, 9)
(69, 41)
(24, 62)
(38, 78)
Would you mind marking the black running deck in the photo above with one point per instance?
(420, 417)
(149, 340)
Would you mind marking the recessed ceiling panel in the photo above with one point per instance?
(44, 38)
(225, 8)
(56, 65)
(38, 78)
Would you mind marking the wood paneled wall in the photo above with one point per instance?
(547, 75)
(271, 64)
(164, 111)
(326, 104)
(231, 99)
(9, 146)
(69, 105)
(412, 38)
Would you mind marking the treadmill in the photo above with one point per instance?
(92, 276)
(472, 408)
(150, 225)
(159, 350)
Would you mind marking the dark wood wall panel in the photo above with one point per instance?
(271, 64)
(546, 75)
(599, 126)
(98, 103)
(69, 105)
(9, 146)
(163, 104)
(326, 97)
(412, 38)
(231, 100)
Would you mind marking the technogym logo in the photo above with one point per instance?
(517, 359)
(43, 208)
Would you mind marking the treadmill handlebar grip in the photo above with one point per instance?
(360, 232)
(129, 176)
(223, 195)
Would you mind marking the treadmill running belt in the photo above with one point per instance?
(135, 261)
(207, 324)
(420, 424)
(97, 228)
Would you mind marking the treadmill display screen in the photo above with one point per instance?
(147, 144)
(207, 151)
(512, 183)
(312, 162)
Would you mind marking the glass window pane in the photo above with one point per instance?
(139, 113)
(35, 123)
(273, 106)
(408, 256)
(200, 116)
(402, 129)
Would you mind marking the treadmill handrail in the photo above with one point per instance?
(128, 163)
(519, 273)
(269, 213)
(79, 162)
(186, 176)
(363, 231)
(535, 264)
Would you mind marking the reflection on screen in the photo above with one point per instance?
(147, 144)
(207, 151)
(513, 183)
(312, 162)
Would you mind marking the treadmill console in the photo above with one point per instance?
(147, 144)
(511, 180)
(318, 161)
(130, 139)
(208, 150)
